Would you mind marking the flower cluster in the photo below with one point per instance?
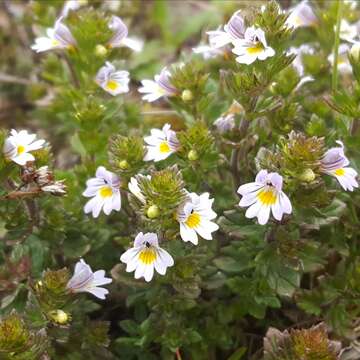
(249, 43)
(194, 216)
(19, 148)
(113, 81)
(265, 195)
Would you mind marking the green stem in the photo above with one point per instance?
(336, 47)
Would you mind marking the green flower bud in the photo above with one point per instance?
(14, 336)
(193, 155)
(123, 165)
(59, 316)
(100, 51)
(308, 175)
(153, 212)
(187, 95)
(272, 87)
(355, 51)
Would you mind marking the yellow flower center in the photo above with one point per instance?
(147, 256)
(256, 49)
(105, 191)
(54, 42)
(164, 147)
(112, 85)
(340, 172)
(193, 220)
(298, 21)
(267, 197)
(20, 149)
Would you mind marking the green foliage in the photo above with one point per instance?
(126, 154)
(221, 298)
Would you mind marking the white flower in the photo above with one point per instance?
(208, 52)
(303, 81)
(301, 15)
(348, 32)
(55, 188)
(195, 217)
(154, 90)
(134, 188)
(226, 122)
(299, 52)
(252, 47)
(72, 5)
(343, 63)
(120, 36)
(112, 81)
(355, 51)
(145, 256)
(58, 37)
(18, 145)
(105, 193)
(161, 143)
(351, 4)
(334, 163)
(233, 30)
(263, 195)
(84, 280)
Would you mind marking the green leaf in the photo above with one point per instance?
(238, 354)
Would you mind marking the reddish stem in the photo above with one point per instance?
(178, 355)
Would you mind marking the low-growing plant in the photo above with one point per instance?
(178, 180)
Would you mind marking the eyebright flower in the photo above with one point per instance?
(112, 81)
(301, 15)
(195, 217)
(348, 32)
(162, 86)
(209, 51)
(343, 63)
(145, 256)
(263, 195)
(161, 143)
(226, 122)
(57, 188)
(299, 52)
(134, 188)
(105, 193)
(334, 163)
(85, 280)
(58, 37)
(233, 30)
(18, 145)
(120, 36)
(72, 5)
(355, 51)
(252, 47)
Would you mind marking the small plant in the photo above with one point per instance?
(178, 180)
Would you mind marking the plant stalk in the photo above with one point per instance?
(336, 46)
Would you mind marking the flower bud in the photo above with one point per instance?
(123, 165)
(100, 51)
(272, 87)
(187, 95)
(193, 155)
(153, 212)
(308, 175)
(355, 51)
(59, 316)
